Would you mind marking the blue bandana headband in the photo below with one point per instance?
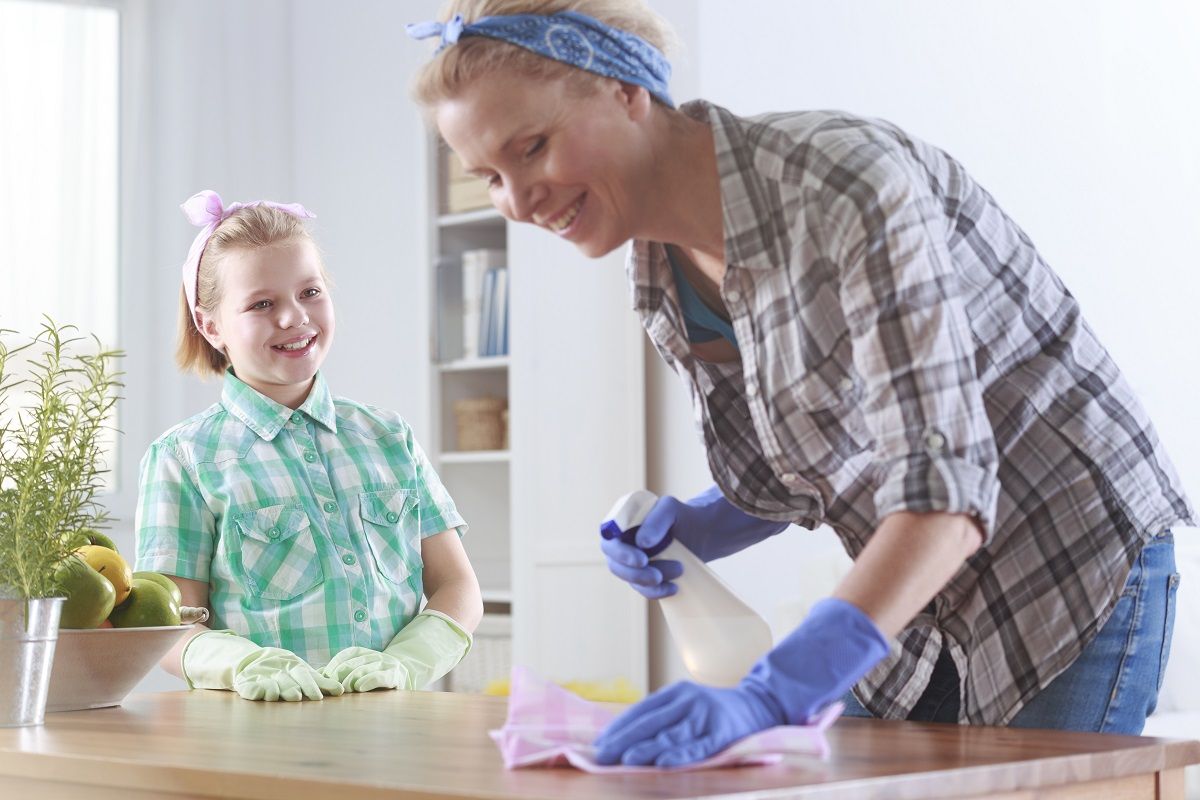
(569, 37)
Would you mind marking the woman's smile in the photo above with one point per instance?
(563, 223)
(566, 172)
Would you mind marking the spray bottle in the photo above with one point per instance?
(718, 635)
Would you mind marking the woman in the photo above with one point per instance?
(870, 343)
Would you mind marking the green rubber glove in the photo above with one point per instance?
(423, 651)
(224, 660)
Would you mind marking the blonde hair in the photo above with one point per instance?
(245, 229)
(460, 64)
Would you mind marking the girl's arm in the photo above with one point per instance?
(450, 582)
(195, 593)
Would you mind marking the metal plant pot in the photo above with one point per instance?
(26, 655)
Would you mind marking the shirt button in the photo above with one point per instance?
(935, 441)
(310, 456)
(348, 559)
(360, 615)
(330, 506)
(845, 384)
(751, 389)
(296, 418)
(790, 478)
(273, 533)
(393, 517)
(733, 296)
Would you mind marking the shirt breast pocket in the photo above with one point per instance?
(393, 533)
(825, 387)
(278, 553)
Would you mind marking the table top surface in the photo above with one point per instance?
(435, 745)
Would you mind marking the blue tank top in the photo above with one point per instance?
(703, 324)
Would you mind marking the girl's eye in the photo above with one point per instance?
(310, 292)
(261, 304)
(537, 145)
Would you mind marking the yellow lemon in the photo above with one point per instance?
(111, 565)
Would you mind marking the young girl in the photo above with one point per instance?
(309, 525)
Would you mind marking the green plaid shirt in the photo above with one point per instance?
(305, 524)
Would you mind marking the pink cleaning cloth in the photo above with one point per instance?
(547, 726)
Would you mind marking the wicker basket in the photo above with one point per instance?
(480, 423)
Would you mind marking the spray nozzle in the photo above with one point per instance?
(627, 515)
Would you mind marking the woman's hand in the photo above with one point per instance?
(814, 666)
(686, 722)
(708, 525)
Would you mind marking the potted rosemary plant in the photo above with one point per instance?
(52, 420)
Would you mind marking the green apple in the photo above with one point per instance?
(162, 580)
(85, 536)
(90, 596)
(96, 537)
(149, 605)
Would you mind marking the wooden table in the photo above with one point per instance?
(431, 745)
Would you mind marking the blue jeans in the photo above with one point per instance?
(1113, 685)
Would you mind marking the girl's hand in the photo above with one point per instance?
(360, 669)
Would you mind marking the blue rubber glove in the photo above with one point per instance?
(814, 666)
(708, 525)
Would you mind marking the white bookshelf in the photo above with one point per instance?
(476, 457)
(467, 218)
(478, 480)
(474, 364)
(573, 379)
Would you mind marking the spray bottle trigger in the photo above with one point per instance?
(609, 529)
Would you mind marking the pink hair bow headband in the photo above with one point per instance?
(205, 210)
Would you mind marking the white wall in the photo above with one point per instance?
(1079, 117)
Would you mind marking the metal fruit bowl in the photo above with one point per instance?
(98, 667)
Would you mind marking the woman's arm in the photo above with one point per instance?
(906, 563)
(195, 593)
(450, 582)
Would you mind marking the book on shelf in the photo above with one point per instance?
(461, 192)
(448, 344)
(493, 325)
(475, 266)
(502, 313)
(488, 309)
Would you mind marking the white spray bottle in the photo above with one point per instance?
(718, 635)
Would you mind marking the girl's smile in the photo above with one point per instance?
(297, 347)
(275, 319)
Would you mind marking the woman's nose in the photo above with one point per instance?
(522, 199)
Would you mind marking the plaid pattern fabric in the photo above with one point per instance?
(905, 347)
(306, 525)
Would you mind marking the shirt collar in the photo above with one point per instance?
(266, 417)
(756, 231)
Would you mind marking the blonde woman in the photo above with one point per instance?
(870, 343)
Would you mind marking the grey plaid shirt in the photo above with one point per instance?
(904, 347)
